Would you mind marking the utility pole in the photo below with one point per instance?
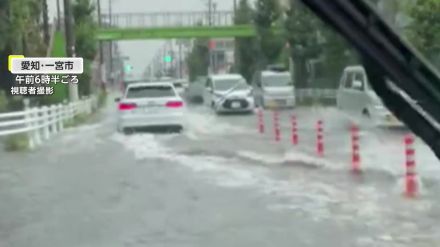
(180, 60)
(214, 53)
(58, 15)
(101, 50)
(111, 42)
(46, 22)
(70, 45)
(209, 40)
(235, 39)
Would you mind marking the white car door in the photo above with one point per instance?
(360, 100)
(343, 94)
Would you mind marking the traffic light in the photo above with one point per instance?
(168, 59)
(128, 68)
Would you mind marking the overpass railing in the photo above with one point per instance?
(168, 19)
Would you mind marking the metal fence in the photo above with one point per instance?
(304, 94)
(41, 123)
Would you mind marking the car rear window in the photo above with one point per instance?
(178, 84)
(150, 92)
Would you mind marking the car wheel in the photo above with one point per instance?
(127, 131)
(366, 114)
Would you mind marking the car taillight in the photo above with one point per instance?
(174, 104)
(127, 106)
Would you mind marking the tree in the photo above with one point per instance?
(267, 17)
(424, 31)
(337, 54)
(302, 35)
(245, 60)
(85, 42)
(20, 33)
(198, 59)
(85, 29)
(46, 22)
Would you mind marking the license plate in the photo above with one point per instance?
(150, 109)
(235, 105)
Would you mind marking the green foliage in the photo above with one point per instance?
(85, 42)
(102, 98)
(302, 35)
(267, 13)
(60, 90)
(198, 59)
(337, 54)
(77, 120)
(267, 16)
(85, 79)
(246, 48)
(20, 27)
(424, 31)
(17, 142)
(3, 101)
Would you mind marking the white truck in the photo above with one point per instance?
(356, 98)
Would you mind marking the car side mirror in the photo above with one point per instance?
(117, 100)
(357, 85)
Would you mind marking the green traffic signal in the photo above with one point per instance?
(128, 68)
(168, 59)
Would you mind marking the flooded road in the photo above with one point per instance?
(219, 183)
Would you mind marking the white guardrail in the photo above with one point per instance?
(41, 123)
(315, 93)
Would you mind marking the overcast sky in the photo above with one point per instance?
(141, 52)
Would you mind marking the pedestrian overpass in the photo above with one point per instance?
(172, 25)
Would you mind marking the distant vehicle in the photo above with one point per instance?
(273, 87)
(228, 93)
(150, 104)
(356, 97)
(195, 90)
(180, 85)
(128, 82)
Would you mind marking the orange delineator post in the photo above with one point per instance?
(411, 186)
(260, 120)
(294, 130)
(276, 126)
(355, 153)
(320, 138)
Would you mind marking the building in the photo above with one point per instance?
(222, 54)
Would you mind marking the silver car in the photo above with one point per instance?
(228, 93)
(273, 89)
(152, 104)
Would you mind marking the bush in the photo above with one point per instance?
(3, 101)
(18, 142)
(77, 120)
(102, 98)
